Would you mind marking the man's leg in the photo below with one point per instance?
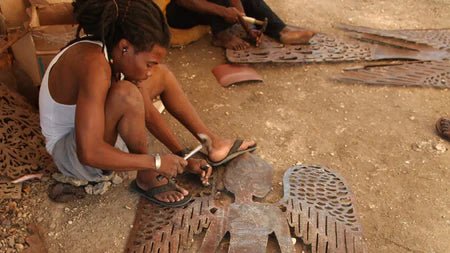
(260, 10)
(221, 33)
(182, 18)
(163, 83)
(124, 110)
(276, 28)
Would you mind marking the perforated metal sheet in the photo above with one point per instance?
(22, 147)
(320, 209)
(328, 48)
(428, 74)
(438, 38)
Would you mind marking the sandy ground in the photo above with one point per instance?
(298, 114)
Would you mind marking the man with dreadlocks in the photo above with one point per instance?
(220, 15)
(100, 86)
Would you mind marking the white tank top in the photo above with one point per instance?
(57, 119)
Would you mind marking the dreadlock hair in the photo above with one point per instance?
(141, 22)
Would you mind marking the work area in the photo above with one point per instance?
(324, 122)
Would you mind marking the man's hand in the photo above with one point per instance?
(232, 14)
(200, 167)
(171, 165)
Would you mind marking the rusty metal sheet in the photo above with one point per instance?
(162, 229)
(22, 146)
(319, 206)
(316, 203)
(434, 74)
(249, 223)
(329, 48)
(437, 38)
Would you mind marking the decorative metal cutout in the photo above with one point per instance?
(22, 147)
(317, 204)
(319, 208)
(159, 229)
(327, 48)
(428, 74)
(10, 191)
(437, 38)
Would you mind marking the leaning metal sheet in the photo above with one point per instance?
(328, 48)
(428, 74)
(319, 207)
(437, 38)
(22, 148)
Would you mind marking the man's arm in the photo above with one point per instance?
(230, 14)
(92, 149)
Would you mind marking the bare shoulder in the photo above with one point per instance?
(88, 59)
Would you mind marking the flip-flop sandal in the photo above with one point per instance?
(443, 128)
(150, 194)
(233, 153)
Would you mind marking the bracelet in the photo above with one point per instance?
(157, 161)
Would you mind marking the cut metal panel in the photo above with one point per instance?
(163, 229)
(427, 74)
(22, 146)
(317, 204)
(329, 201)
(328, 48)
(437, 38)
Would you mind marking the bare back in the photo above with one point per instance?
(64, 78)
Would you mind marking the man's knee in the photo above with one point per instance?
(125, 94)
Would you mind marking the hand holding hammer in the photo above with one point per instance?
(205, 142)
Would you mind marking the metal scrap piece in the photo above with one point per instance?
(437, 38)
(10, 190)
(428, 74)
(319, 208)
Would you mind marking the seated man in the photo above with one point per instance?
(84, 103)
(222, 14)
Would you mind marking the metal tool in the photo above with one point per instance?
(254, 21)
(205, 141)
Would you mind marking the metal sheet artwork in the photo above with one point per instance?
(326, 48)
(319, 208)
(316, 203)
(428, 74)
(159, 229)
(437, 38)
(22, 148)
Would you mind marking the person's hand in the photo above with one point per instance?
(201, 168)
(171, 165)
(232, 15)
(256, 35)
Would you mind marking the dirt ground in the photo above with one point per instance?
(366, 133)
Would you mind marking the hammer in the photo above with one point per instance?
(205, 141)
